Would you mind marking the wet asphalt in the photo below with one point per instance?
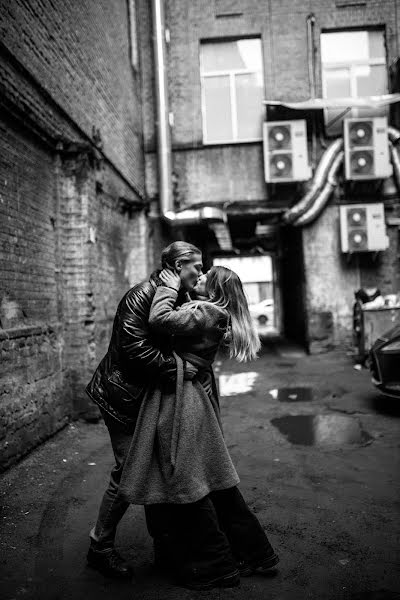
(317, 450)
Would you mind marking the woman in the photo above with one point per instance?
(178, 464)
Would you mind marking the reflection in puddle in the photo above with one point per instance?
(238, 383)
(377, 595)
(292, 394)
(321, 430)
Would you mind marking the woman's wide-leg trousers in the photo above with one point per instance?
(207, 538)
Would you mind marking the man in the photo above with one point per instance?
(135, 359)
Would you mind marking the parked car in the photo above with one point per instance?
(384, 362)
(263, 312)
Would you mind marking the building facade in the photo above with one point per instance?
(74, 233)
(223, 58)
(127, 124)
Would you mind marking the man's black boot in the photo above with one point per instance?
(227, 580)
(263, 566)
(109, 563)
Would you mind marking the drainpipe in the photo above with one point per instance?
(311, 77)
(162, 122)
(187, 216)
(311, 50)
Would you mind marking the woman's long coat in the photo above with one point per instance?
(178, 452)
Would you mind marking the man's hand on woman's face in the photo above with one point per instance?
(170, 279)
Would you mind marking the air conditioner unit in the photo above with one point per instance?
(366, 148)
(362, 228)
(285, 151)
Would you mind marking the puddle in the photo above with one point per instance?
(237, 383)
(377, 595)
(321, 430)
(291, 352)
(292, 394)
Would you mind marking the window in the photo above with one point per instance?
(257, 276)
(255, 272)
(353, 64)
(232, 91)
(133, 34)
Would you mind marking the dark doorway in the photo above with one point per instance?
(292, 284)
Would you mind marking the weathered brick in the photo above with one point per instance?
(64, 70)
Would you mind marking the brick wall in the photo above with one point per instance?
(104, 253)
(104, 243)
(332, 278)
(80, 54)
(383, 270)
(72, 243)
(120, 260)
(73, 234)
(34, 400)
(235, 172)
(282, 27)
(331, 281)
(27, 234)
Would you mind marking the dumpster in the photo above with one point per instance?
(369, 324)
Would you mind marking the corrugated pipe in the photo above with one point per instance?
(164, 151)
(394, 157)
(317, 184)
(394, 135)
(394, 139)
(323, 196)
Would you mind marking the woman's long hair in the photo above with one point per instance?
(225, 289)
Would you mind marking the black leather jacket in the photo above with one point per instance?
(136, 357)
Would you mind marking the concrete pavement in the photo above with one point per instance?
(329, 504)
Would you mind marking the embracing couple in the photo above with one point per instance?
(156, 390)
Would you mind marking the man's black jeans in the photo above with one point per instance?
(112, 507)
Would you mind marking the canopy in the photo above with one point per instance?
(321, 103)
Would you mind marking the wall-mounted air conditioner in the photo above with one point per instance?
(362, 228)
(366, 148)
(285, 151)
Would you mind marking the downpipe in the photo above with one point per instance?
(311, 77)
(164, 149)
(311, 53)
(162, 121)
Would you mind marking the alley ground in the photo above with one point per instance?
(330, 504)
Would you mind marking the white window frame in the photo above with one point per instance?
(351, 67)
(232, 89)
